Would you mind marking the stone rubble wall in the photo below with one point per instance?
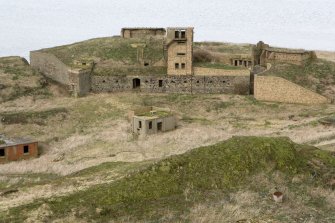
(174, 84)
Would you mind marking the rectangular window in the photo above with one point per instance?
(176, 34)
(26, 149)
(140, 124)
(183, 65)
(160, 83)
(181, 54)
(176, 65)
(183, 34)
(2, 152)
(150, 125)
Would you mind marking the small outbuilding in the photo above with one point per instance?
(153, 121)
(17, 149)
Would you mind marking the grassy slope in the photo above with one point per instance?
(117, 50)
(179, 182)
(19, 79)
(221, 47)
(317, 75)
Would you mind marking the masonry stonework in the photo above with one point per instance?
(277, 89)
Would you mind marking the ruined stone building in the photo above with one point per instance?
(159, 60)
(263, 54)
(17, 149)
(142, 59)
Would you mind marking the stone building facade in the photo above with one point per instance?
(142, 32)
(263, 54)
(17, 149)
(179, 45)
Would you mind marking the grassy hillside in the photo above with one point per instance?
(222, 47)
(317, 75)
(114, 55)
(204, 175)
(18, 79)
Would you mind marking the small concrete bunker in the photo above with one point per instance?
(152, 121)
(17, 149)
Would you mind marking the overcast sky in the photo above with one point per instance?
(33, 24)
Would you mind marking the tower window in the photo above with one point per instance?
(181, 54)
(176, 65)
(176, 34)
(183, 34)
(183, 65)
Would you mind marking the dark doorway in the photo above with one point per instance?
(160, 83)
(2, 152)
(136, 83)
(236, 63)
(26, 149)
(159, 126)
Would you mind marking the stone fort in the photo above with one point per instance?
(153, 60)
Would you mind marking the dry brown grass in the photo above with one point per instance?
(96, 131)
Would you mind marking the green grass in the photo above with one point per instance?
(38, 118)
(203, 172)
(225, 47)
(109, 48)
(2, 142)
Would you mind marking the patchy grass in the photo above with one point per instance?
(38, 118)
(179, 182)
(109, 48)
(222, 47)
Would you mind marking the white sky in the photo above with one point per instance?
(33, 24)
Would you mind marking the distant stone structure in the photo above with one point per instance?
(158, 60)
(180, 51)
(148, 121)
(17, 149)
(177, 57)
(142, 32)
(263, 54)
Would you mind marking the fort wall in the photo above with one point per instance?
(50, 66)
(277, 89)
(238, 84)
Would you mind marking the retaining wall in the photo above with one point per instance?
(277, 89)
(173, 84)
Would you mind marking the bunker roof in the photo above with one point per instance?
(153, 115)
(5, 142)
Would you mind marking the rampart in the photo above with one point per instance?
(277, 89)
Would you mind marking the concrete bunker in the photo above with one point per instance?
(149, 120)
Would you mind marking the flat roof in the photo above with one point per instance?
(6, 142)
(136, 28)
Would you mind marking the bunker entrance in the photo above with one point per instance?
(136, 83)
(159, 126)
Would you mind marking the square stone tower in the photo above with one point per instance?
(179, 44)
